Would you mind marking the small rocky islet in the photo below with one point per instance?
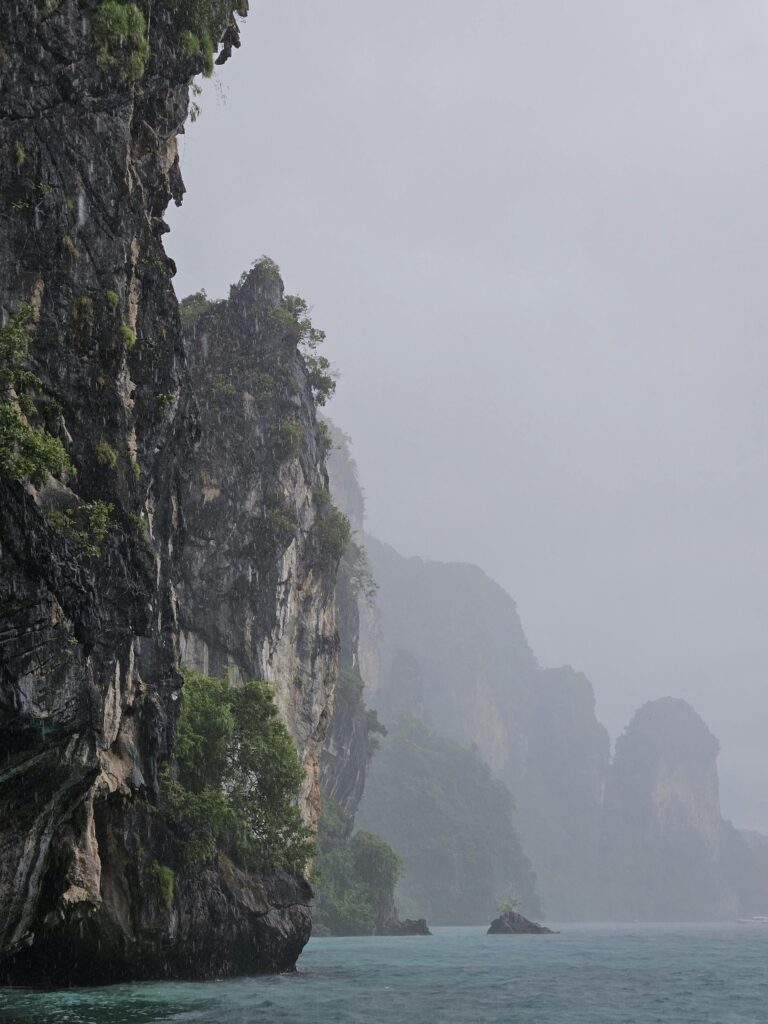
(512, 923)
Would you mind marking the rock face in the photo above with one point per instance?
(209, 923)
(88, 667)
(511, 923)
(353, 897)
(93, 884)
(351, 737)
(665, 849)
(256, 594)
(560, 790)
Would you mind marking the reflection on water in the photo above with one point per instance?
(118, 1004)
(586, 975)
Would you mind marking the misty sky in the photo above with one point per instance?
(536, 234)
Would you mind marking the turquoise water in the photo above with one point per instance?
(586, 975)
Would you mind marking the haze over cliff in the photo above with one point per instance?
(636, 835)
(534, 234)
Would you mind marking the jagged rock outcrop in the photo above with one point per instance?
(261, 550)
(664, 845)
(408, 926)
(94, 883)
(512, 923)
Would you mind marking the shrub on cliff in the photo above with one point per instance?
(354, 878)
(27, 449)
(331, 528)
(235, 777)
(120, 33)
(193, 306)
(292, 320)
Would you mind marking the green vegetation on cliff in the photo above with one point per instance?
(235, 777)
(354, 878)
(120, 31)
(439, 806)
(331, 529)
(27, 449)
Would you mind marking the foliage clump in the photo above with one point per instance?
(166, 880)
(356, 568)
(193, 306)
(127, 336)
(106, 455)
(290, 437)
(27, 449)
(331, 529)
(222, 386)
(279, 523)
(308, 339)
(235, 778)
(85, 525)
(120, 34)
(324, 437)
(82, 312)
(354, 878)
(71, 248)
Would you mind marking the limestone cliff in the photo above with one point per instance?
(665, 847)
(356, 873)
(88, 670)
(98, 466)
(262, 540)
(641, 837)
(452, 651)
(351, 738)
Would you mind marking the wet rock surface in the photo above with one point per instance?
(256, 592)
(88, 676)
(94, 885)
(512, 923)
(406, 927)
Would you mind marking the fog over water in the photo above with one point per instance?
(536, 234)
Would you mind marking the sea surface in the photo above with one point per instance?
(588, 974)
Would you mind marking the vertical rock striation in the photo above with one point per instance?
(95, 885)
(87, 620)
(351, 738)
(261, 549)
